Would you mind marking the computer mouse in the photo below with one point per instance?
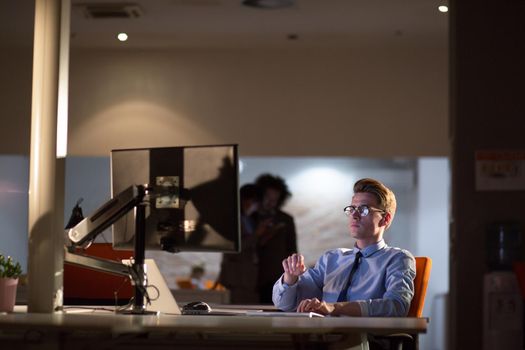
(196, 308)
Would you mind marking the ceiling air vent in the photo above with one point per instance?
(111, 11)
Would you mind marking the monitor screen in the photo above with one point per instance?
(192, 201)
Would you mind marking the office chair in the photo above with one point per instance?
(83, 286)
(401, 341)
(423, 267)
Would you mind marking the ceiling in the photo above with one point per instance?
(227, 23)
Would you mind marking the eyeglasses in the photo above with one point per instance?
(362, 210)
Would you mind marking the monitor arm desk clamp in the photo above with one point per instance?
(83, 234)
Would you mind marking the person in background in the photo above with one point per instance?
(371, 279)
(276, 233)
(196, 277)
(239, 271)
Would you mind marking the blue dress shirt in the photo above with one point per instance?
(383, 284)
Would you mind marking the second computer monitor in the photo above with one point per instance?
(193, 202)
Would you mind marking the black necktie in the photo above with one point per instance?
(344, 291)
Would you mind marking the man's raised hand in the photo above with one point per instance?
(293, 267)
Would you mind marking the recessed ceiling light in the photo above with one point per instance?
(122, 36)
(443, 8)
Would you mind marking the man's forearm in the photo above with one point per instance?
(348, 308)
(284, 298)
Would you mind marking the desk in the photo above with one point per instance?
(109, 331)
(210, 296)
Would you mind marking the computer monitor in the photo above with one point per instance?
(193, 201)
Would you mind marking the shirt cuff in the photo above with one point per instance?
(363, 305)
(285, 286)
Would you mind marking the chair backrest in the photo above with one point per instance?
(423, 267)
(79, 281)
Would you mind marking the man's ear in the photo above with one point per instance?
(385, 221)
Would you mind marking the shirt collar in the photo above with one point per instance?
(371, 249)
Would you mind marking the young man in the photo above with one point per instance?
(372, 279)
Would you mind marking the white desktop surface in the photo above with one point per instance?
(264, 332)
(110, 321)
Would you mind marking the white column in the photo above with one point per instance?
(45, 260)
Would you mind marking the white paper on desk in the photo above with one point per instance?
(283, 314)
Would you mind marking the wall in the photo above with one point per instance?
(487, 113)
(302, 102)
(14, 185)
(298, 102)
(15, 98)
(432, 239)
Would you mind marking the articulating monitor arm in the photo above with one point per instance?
(82, 234)
(88, 229)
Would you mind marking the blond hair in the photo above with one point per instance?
(386, 199)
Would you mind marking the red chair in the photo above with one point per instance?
(83, 286)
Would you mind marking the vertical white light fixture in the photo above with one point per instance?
(63, 79)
